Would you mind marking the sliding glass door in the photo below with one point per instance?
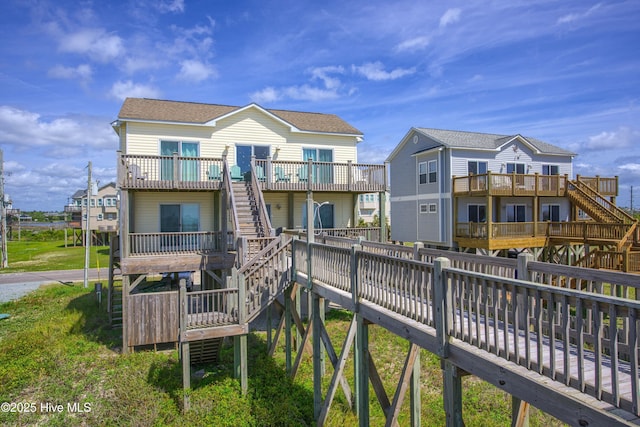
(322, 173)
(188, 167)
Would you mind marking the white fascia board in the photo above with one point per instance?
(248, 107)
(524, 141)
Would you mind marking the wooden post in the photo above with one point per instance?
(382, 216)
(185, 357)
(522, 273)
(361, 367)
(317, 356)
(176, 170)
(240, 341)
(442, 305)
(519, 412)
(287, 328)
(452, 390)
(125, 314)
(416, 251)
(361, 351)
(240, 361)
(416, 407)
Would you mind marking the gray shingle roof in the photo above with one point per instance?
(197, 113)
(487, 141)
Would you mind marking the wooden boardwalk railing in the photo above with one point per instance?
(582, 338)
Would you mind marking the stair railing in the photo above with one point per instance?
(595, 197)
(265, 224)
(231, 208)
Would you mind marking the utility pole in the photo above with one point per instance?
(3, 213)
(87, 234)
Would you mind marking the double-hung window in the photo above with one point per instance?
(428, 172)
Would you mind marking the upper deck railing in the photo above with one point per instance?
(201, 173)
(499, 184)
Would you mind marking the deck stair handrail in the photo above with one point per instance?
(231, 208)
(593, 202)
(265, 224)
(601, 209)
(265, 276)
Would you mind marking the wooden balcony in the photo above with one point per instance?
(320, 176)
(185, 251)
(506, 235)
(496, 184)
(501, 235)
(201, 174)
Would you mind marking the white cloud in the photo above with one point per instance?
(632, 168)
(450, 16)
(375, 71)
(624, 137)
(571, 17)
(172, 6)
(61, 137)
(195, 71)
(322, 73)
(82, 72)
(121, 90)
(96, 43)
(309, 93)
(266, 95)
(414, 44)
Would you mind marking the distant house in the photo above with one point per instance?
(490, 193)
(103, 214)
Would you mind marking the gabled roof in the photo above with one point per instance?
(488, 141)
(155, 110)
(83, 193)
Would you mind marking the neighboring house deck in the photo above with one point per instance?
(498, 194)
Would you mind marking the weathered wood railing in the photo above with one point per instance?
(581, 338)
(266, 275)
(535, 325)
(168, 172)
(211, 308)
(322, 176)
(150, 244)
(265, 223)
(203, 173)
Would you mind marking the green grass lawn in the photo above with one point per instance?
(57, 347)
(51, 255)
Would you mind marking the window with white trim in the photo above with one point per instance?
(424, 208)
(433, 171)
(433, 208)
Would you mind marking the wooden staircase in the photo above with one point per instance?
(605, 212)
(115, 307)
(247, 209)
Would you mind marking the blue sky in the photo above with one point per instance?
(564, 71)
